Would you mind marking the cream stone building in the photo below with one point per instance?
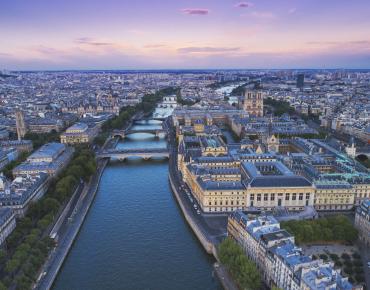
(362, 221)
(220, 189)
(280, 261)
(334, 195)
(77, 134)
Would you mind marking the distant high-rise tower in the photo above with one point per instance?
(300, 81)
(253, 102)
(21, 125)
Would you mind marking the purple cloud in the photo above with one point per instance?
(159, 45)
(91, 41)
(207, 49)
(195, 11)
(342, 43)
(243, 5)
(46, 50)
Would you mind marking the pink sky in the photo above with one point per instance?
(113, 34)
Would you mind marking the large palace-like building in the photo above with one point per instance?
(265, 172)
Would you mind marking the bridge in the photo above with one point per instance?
(363, 151)
(145, 153)
(124, 133)
(151, 118)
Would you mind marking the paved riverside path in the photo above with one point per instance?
(73, 221)
(69, 230)
(213, 227)
(224, 277)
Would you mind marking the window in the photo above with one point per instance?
(272, 196)
(307, 196)
(287, 196)
(301, 196)
(265, 197)
(294, 196)
(259, 197)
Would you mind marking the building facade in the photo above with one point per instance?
(19, 193)
(78, 133)
(7, 223)
(281, 262)
(362, 221)
(253, 102)
(51, 158)
(21, 146)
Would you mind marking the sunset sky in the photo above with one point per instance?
(156, 34)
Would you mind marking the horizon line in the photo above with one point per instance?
(179, 69)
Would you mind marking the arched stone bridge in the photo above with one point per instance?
(123, 133)
(145, 153)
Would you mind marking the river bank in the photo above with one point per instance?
(75, 220)
(134, 230)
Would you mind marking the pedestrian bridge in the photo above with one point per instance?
(123, 133)
(145, 153)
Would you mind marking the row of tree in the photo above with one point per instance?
(181, 101)
(242, 269)
(239, 90)
(28, 246)
(327, 229)
(39, 139)
(364, 160)
(280, 107)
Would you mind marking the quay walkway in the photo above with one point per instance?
(67, 233)
(210, 230)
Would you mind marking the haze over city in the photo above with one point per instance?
(112, 34)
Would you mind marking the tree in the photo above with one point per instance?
(250, 278)
(241, 268)
(75, 170)
(332, 228)
(12, 265)
(2, 286)
(43, 223)
(50, 205)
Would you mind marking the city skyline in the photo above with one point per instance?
(45, 35)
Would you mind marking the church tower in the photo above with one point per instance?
(253, 102)
(21, 124)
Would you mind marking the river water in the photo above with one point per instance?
(134, 236)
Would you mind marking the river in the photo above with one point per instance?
(134, 236)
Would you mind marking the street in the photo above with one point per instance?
(69, 230)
